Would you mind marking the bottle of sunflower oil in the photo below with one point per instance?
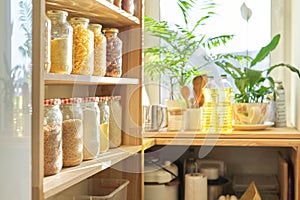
(210, 107)
(225, 106)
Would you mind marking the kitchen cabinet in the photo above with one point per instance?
(261, 143)
(47, 85)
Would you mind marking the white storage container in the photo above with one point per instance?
(159, 183)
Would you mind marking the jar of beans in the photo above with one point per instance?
(113, 53)
(99, 50)
(61, 42)
(52, 137)
(83, 47)
(72, 132)
(91, 127)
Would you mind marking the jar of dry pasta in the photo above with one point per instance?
(113, 53)
(72, 132)
(61, 42)
(47, 43)
(115, 122)
(52, 137)
(99, 50)
(83, 47)
(91, 128)
(104, 124)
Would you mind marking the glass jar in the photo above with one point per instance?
(72, 132)
(115, 122)
(91, 128)
(47, 43)
(61, 42)
(113, 53)
(83, 47)
(52, 137)
(99, 50)
(104, 124)
(128, 6)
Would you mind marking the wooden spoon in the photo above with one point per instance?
(198, 83)
(185, 92)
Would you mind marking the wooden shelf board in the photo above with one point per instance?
(98, 11)
(73, 175)
(148, 143)
(268, 137)
(71, 79)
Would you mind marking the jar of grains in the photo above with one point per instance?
(115, 122)
(47, 39)
(52, 137)
(83, 47)
(72, 132)
(113, 53)
(99, 50)
(91, 128)
(61, 42)
(104, 124)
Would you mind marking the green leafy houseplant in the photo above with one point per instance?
(254, 85)
(181, 42)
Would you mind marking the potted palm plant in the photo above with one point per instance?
(254, 85)
(181, 41)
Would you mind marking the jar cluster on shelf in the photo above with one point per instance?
(76, 46)
(127, 5)
(79, 129)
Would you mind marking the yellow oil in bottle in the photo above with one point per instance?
(209, 110)
(225, 111)
(225, 106)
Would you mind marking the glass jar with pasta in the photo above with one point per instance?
(99, 50)
(61, 42)
(113, 53)
(83, 47)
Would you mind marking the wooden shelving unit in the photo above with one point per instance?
(108, 15)
(71, 79)
(97, 11)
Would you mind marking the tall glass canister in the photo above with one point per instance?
(99, 50)
(52, 137)
(113, 53)
(83, 47)
(72, 132)
(104, 124)
(61, 42)
(91, 127)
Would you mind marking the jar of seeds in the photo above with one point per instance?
(72, 132)
(52, 137)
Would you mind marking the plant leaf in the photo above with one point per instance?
(293, 69)
(253, 76)
(265, 51)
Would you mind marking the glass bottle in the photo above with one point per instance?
(83, 47)
(61, 42)
(47, 43)
(91, 128)
(280, 114)
(52, 137)
(104, 124)
(225, 106)
(99, 50)
(72, 131)
(210, 106)
(113, 53)
(115, 121)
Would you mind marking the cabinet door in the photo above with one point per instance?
(15, 99)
